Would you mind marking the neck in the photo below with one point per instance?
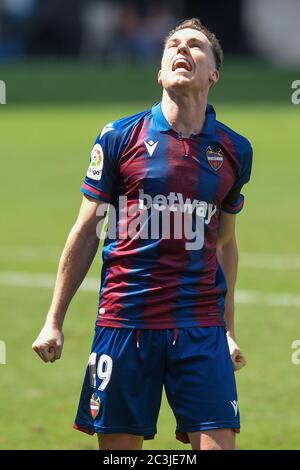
(185, 113)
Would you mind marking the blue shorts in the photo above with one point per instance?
(128, 368)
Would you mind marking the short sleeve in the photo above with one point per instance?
(233, 203)
(101, 177)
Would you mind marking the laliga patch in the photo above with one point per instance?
(215, 157)
(95, 405)
(96, 165)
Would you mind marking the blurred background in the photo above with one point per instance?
(69, 68)
(65, 51)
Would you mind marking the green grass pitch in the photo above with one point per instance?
(44, 156)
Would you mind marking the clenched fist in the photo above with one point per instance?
(236, 354)
(49, 343)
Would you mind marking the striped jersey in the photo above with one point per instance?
(165, 195)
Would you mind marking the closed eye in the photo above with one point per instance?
(196, 44)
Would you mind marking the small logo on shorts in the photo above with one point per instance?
(95, 405)
(235, 406)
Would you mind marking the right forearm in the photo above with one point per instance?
(77, 256)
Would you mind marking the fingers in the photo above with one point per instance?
(47, 352)
(237, 357)
(49, 343)
(238, 366)
(42, 351)
(239, 361)
(36, 349)
(57, 350)
(53, 355)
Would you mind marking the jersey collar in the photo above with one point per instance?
(161, 124)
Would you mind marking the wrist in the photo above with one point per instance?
(230, 333)
(54, 323)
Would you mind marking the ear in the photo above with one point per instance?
(159, 78)
(214, 77)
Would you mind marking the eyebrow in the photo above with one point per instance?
(189, 40)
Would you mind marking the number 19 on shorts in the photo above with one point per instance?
(102, 370)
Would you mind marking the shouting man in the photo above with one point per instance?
(166, 305)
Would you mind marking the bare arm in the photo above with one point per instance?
(76, 259)
(227, 253)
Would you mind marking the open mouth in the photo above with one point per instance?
(181, 63)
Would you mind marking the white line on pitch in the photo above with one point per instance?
(29, 253)
(272, 299)
(269, 261)
(22, 279)
(18, 279)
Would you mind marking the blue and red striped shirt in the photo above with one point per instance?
(160, 280)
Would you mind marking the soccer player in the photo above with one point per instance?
(166, 306)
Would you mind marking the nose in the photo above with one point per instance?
(183, 47)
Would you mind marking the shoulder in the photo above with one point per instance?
(241, 144)
(122, 128)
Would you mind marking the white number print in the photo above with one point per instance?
(92, 368)
(103, 370)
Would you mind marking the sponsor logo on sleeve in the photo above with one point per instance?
(96, 165)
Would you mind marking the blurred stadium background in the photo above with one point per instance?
(69, 68)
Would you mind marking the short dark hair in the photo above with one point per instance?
(195, 23)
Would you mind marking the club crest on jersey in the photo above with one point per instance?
(95, 405)
(96, 164)
(215, 157)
